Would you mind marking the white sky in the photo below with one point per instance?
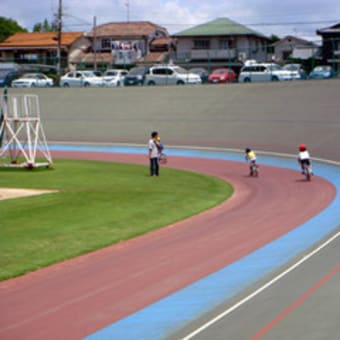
(177, 15)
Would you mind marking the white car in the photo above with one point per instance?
(263, 72)
(171, 75)
(296, 71)
(81, 79)
(33, 80)
(112, 78)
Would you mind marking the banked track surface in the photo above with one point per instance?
(75, 298)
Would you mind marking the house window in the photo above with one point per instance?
(201, 44)
(106, 44)
(225, 44)
(29, 56)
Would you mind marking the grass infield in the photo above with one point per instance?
(98, 204)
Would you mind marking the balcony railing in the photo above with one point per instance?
(125, 57)
(225, 54)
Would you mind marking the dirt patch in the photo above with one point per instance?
(7, 193)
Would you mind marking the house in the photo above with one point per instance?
(331, 45)
(127, 42)
(40, 48)
(294, 47)
(218, 43)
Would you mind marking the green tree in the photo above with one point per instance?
(8, 27)
(45, 26)
(37, 27)
(274, 38)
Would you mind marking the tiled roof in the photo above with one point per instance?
(40, 39)
(330, 30)
(154, 57)
(295, 40)
(162, 41)
(218, 27)
(124, 29)
(101, 57)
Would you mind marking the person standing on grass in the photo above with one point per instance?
(154, 154)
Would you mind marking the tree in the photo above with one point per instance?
(37, 27)
(45, 26)
(274, 38)
(8, 27)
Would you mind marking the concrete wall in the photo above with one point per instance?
(265, 116)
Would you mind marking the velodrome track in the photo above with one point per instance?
(76, 298)
(87, 309)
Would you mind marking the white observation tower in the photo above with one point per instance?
(22, 138)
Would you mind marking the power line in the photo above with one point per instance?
(259, 23)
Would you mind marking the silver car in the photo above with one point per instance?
(114, 78)
(171, 75)
(296, 71)
(262, 73)
(81, 79)
(33, 80)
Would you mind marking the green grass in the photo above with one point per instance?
(98, 204)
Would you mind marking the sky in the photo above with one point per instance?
(285, 17)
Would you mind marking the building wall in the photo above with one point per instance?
(285, 48)
(243, 47)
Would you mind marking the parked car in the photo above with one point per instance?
(136, 76)
(171, 75)
(81, 79)
(8, 73)
(322, 72)
(33, 80)
(202, 72)
(263, 72)
(222, 75)
(113, 78)
(296, 71)
(6, 77)
(98, 73)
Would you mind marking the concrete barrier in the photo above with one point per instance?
(267, 116)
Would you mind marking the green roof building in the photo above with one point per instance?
(220, 42)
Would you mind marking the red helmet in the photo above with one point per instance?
(302, 147)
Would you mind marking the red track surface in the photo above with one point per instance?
(77, 297)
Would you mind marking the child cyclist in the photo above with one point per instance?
(251, 159)
(304, 158)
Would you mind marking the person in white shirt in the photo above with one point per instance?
(304, 157)
(154, 154)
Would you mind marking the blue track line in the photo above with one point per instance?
(170, 314)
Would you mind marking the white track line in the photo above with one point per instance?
(261, 289)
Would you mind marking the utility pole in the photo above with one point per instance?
(95, 41)
(127, 4)
(59, 35)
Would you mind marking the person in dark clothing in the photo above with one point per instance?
(154, 153)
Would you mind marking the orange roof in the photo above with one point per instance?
(103, 57)
(162, 41)
(154, 57)
(123, 29)
(40, 39)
